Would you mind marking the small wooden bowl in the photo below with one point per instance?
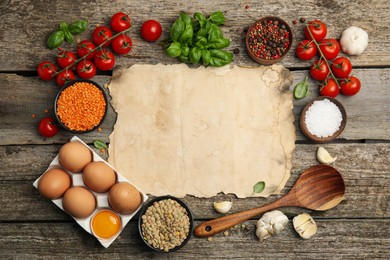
(268, 61)
(317, 139)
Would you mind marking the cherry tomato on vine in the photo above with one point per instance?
(341, 67)
(101, 34)
(66, 58)
(86, 69)
(317, 28)
(47, 127)
(46, 69)
(330, 48)
(329, 88)
(64, 77)
(151, 30)
(85, 47)
(120, 22)
(306, 50)
(104, 59)
(121, 44)
(350, 86)
(319, 70)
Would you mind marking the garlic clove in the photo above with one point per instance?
(324, 157)
(305, 225)
(223, 206)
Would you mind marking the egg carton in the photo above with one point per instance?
(101, 198)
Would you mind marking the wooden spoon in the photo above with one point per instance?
(320, 187)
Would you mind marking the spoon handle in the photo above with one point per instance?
(214, 226)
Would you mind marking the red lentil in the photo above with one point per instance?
(269, 39)
(81, 106)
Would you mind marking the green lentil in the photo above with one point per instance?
(165, 225)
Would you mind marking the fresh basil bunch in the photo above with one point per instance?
(66, 33)
(199, 40)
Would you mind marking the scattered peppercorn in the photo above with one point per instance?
(33, 115)
(269, 39)
(295, 22)
(247, 7)
(236, 51)
(226, 233)
(209, 239)
(302, 20)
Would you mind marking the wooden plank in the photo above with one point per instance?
(23, 96)
(23, 47)
(335, 239)
(364, 167)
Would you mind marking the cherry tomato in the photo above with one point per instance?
(330, 48)
(319, 70)
(341, 67)
(329, 88)
(86, 69)
(64, 77)
(121, 44)
(317, 29)
(104, 60)
(65, 58)
(306, 50)
(350, 86)
(47, 127)
(101, 34)
(46, 69)
(120, 22)
(151, 30)
(85, 47)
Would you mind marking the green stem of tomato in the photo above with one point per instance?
(97, 47)
(323, 57)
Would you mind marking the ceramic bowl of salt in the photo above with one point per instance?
(323, 119)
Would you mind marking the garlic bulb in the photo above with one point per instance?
(271, 223)
(223, 206)
(305, 226)
(324, 157)
(354, 40)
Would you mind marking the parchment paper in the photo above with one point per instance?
(202, 131)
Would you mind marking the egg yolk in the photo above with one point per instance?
(106, 224)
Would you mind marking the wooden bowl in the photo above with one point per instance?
(315, 138)
(271, 61)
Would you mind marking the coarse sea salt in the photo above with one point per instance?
(323, 118)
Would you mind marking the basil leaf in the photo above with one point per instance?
(259, 187)
(186, 18)
(55, 39)
(218, 43)
(99, 144)
(174, 50)
(63, 26)
(185, 50)
(184, 58)
(220, 58)
(195, 55)
(201, 18)
(214, 32)
(217, 18)
(68, 36)
(301, 90)
(78, 26)
(200, 41)
(186, 36)
(177, 29)
(204, 31)
(206, 57)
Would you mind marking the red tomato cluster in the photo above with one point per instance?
(90, 55)
(333, 71)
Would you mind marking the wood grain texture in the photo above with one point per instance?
(27, 43)
(23, 96)
(338, 239)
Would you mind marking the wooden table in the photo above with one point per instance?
(32, 227)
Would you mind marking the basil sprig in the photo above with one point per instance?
(199, 39)
(66, 32)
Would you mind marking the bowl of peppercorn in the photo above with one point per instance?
(165, 224)
(268, 40)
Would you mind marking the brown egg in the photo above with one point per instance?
(74, 156)
(79, 202)
(124, 198)
(53, 184)
(98, 176)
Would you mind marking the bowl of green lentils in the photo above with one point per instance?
(165, 224)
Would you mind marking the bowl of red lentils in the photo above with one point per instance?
(268, 40)
(81, 106)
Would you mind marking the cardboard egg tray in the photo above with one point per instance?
(101, 198)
